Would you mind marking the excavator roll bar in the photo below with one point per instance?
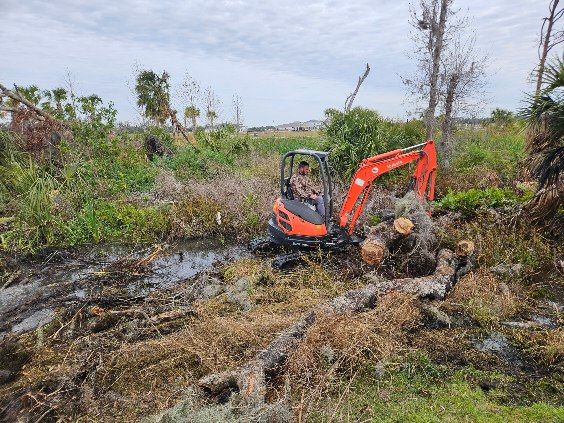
(422, 181)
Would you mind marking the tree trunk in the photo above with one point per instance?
(378, 241)
(436, 41)
(19, 98)
(177, 125)
(350, 99)
(545, 46)
(250, 380)
(447, 121)
(194, 124)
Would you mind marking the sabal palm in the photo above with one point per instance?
(192, 113)
(545, 143)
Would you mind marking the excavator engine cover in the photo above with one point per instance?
(296, 218)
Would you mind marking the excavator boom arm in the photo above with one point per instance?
(422, 182)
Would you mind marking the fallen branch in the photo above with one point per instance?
(250, 380)
(16, 96)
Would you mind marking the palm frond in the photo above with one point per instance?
(548, 170)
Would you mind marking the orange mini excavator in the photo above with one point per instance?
(297, 226)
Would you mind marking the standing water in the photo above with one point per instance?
(77, 277)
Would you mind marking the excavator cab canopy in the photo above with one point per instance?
(287, 170)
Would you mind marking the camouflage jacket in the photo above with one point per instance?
(302, 187)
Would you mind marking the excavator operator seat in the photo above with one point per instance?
(288, 192)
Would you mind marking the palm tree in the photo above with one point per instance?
(153, 95)
(212, 115)
(192, 112)
(545, 144)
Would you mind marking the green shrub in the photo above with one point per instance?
(498, 151)
(225, 140)
(189, 163)
(471, 201)
(361, 133)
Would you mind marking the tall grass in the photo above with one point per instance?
(490, 148)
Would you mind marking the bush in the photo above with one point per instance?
(225, 140)
(498, 151)
(471, 201)
(361, 133)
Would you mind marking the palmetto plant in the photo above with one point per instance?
(545, 144)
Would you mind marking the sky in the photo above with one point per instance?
(288, 60)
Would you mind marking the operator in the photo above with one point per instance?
(304, 190)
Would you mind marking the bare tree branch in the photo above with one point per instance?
(545, 39)
(350, 99)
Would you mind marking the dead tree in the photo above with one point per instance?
(463, 73)
(212, 106)
(436, 43)
(40, 130)
(450, 73)
(250, 380)
(350, 99)
(190, 92)
(237, 111)
(547, 40)
(18, 98)
(430, 39)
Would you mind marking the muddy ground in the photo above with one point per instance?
(111, 334)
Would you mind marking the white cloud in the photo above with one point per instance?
(287, 59)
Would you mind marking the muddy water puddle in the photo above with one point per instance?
(66, 279)
(499, 345)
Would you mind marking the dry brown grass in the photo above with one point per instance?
(226, 204)
(484, 298)
(341, 343)
(499, 240)
(255, 269)
(546, 346)
(105, 378)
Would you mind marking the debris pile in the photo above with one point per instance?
(408, 236)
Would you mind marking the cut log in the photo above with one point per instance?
(250, 380)
(380, 237)
(464, 248)
(403, 225)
